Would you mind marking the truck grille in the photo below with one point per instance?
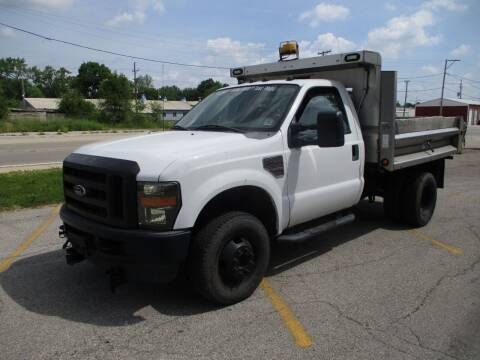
(101, 189)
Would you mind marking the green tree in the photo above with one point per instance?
(13, 68)
(146, 87)
(170, 92)
(73, 104)
(90, 77)
(116, 92)
(52, 82)
(191, 94)
(206, 87)
(12, 71)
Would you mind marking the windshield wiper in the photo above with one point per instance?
(218, 128)
(178, 127)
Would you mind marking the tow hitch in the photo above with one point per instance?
(71, 255)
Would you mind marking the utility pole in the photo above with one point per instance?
(461, 88)
(163, 99)
(135, 70)
(448, 63)
(406, 93)
(323, 53)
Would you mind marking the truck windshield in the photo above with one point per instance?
(246, 108)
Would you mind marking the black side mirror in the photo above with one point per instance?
(330, 129)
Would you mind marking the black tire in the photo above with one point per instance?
(229, 257)
(419, 199)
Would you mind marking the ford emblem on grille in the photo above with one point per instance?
(79, 190)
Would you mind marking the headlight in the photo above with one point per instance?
(158, 204)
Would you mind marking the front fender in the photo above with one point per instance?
(195, 197)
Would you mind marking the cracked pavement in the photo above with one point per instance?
(369, 290)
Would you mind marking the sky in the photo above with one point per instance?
(413, 37)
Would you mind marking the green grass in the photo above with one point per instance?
(62, 125)
(22, 189)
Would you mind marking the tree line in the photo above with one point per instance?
(93, 81)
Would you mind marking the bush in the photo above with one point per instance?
(62, 125)
(142, 121)
(74, 105)
(3, 108)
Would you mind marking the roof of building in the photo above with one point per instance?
(51, 104)
(449, 102)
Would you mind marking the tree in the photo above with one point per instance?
(170, 92)
(191, 94)
(206, 87)
(90, 77)
(116, 92)
(13, 68)
(144, 82)
(73, 104)
(146, 87)
(52, 82)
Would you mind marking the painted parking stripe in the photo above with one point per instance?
(451, 249)
(302, 339)
(8, 261)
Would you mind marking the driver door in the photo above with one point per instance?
(321, 181)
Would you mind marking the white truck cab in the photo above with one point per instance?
(282, 156)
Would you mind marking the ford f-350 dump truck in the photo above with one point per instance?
(282, 156)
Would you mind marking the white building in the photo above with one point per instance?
(172, 110)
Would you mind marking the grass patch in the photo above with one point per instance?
(63, 125)
(22, 189)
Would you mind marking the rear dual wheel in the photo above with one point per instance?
(412, 199)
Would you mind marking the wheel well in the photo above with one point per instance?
(250, 199)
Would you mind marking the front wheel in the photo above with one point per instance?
(229, 257)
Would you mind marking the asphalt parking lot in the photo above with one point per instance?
(369, 290)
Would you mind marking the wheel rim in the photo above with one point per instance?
(237, 261)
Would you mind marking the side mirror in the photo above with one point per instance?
(330, 129)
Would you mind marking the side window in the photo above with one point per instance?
(320, 100)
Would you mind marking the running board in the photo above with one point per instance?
(306, 234)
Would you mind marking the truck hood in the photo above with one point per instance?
(155, 152)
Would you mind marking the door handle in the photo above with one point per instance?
(355, 152)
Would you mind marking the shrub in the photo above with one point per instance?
(74, 105)
(3, 108)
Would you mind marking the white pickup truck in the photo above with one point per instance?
(282, 156)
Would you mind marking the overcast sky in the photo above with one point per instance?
(414, 37)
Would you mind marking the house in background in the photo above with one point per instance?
(468, 109)
(172, 110)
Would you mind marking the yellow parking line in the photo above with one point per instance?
(7, 262)
(302, 339)
(451, 249)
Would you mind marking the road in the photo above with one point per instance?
(369, 290)
(48, 148)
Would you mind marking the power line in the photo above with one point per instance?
(418, 77)
(111, 52)
(463, 77)
(420, 90)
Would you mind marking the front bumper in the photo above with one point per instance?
(142, 255)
